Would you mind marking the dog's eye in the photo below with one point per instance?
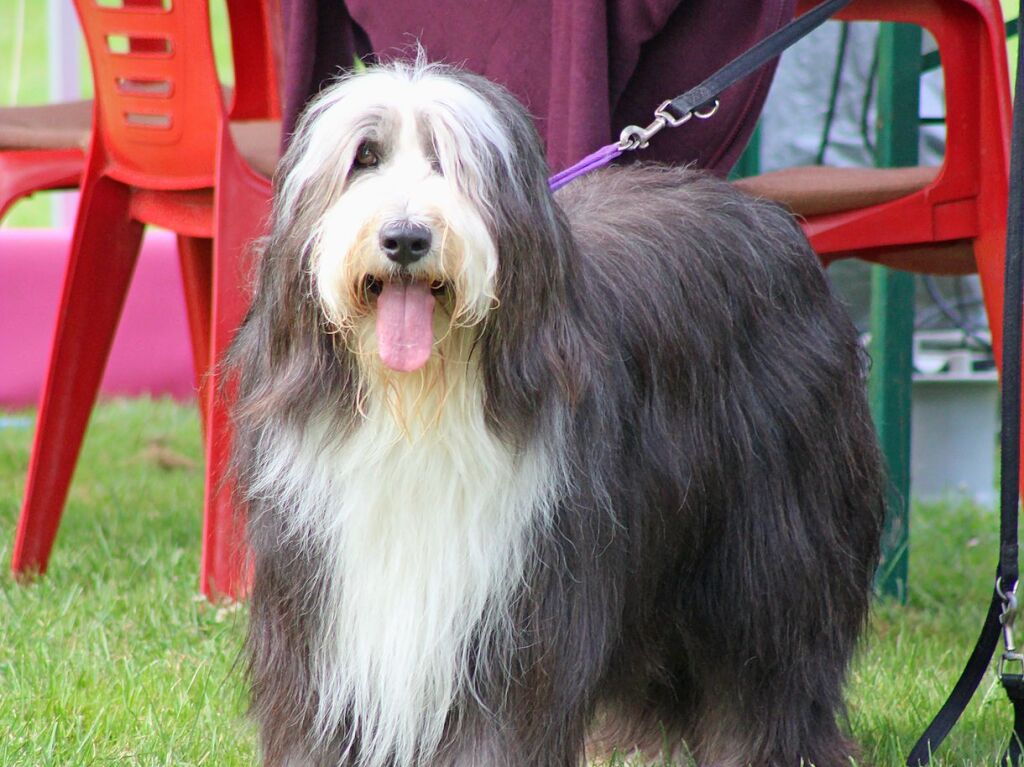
(366, 155)
(435, 159)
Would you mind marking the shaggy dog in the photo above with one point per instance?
(519, 465)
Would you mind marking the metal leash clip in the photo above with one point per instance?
(1006, 618)
(635, 137)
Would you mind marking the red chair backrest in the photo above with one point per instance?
(159, 107)
(158, 102)
(968, 197)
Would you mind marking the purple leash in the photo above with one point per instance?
(632, 137)
(592, 161)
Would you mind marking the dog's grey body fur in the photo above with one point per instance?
(704, 569)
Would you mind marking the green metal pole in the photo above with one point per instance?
(749, 163)
(892, 302)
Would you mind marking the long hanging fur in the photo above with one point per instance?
(636, 487)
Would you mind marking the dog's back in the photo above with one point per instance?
(680, 252)
(764, 487)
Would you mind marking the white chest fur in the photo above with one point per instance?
(424, 517)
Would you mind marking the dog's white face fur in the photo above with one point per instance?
(421, 513)
(401, 145)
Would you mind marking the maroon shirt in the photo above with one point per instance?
(585, 69)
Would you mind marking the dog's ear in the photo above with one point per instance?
(283, 357)
(530, 345)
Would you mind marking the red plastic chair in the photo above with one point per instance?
(163, 152)
(946, 220)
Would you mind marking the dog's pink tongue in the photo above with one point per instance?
(405, 325)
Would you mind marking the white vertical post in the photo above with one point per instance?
(65, 84)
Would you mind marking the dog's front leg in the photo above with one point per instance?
(534, 707)
(540, 739)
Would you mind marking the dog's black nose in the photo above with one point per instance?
(405, 242)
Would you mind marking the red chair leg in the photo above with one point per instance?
(102, 259)
(196, 257)
(989, 249)
(243, 202)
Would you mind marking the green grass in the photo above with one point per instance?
(110, 659)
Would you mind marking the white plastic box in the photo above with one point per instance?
(954, 420)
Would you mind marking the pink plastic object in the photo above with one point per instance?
(32, 264)
(161, 153)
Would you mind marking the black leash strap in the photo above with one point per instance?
(963, 691)
(752, 59)
(1003, 607)
(702, 100)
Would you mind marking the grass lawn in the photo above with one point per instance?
(110, 659)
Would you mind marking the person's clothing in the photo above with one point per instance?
(584, 69)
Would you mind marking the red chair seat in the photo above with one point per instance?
(820, 191)
(48, 126)
(42, 147)
(817, 190)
